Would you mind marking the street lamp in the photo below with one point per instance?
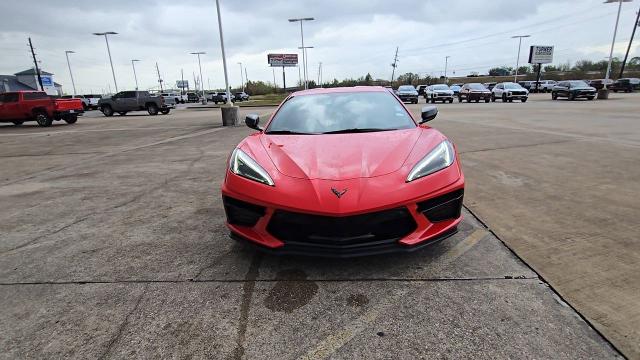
(304, 61)
(613, 42)
(241, 78)
(67, 52)
(306, 57)
(224, 57)
(519, 37)
(133, 65)
(109, 51)
(446, 63)
(198, 53)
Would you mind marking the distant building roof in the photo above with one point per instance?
(12, 83)
(32, 71)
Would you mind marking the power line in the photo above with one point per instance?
(394, 65)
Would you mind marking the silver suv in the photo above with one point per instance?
(508, 91)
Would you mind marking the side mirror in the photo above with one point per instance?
(428, 113)
(252, 121)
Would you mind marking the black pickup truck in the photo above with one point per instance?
(126, 101)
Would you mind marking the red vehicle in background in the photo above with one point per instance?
(20, 106)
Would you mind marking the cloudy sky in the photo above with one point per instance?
(350, 37)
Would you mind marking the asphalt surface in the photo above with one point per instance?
(113, 245)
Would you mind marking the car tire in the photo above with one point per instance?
(477, 100)
(164, 111)
(510, 100)
(615, 91)
(571, 97)
(554, 96)
(451, 101)
(18, 122)
(493, 97)
(152, 109)
(591, 97)
(487, 100)
(524, 99)
(504, 97)
(459, 99)
(122, 113)
(71, 119)
(85, 107)
(43, 119)
(106, 110)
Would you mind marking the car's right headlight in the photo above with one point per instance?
(243, 165)
(441, 157)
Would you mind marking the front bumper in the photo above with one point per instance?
(408, 98)
(398, 226)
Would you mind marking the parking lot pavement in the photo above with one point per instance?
(113, 246)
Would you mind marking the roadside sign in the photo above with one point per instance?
(182, 84)
(46, 80)
(540, 54)
(282, 59)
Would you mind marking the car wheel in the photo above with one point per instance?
(107, 110)
(590, 98)
(554, 96)
(615, 91)
(524, 99)
(43, 119)
(477, 100)
(493, 97)
(571, 97)
(122, 113)
(459, 99)
(487, 100)
(152, 109)
(85, 107)
(165, 111)
(504, 97)
(451, 101)
(71, 119)
(18, 122)
(510, 100)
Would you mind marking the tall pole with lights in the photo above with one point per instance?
(198, 53)
(241, 78)
(224, 57)
(109, 52)
(613, 42)
(304, 60)
(446, 63)
(519, 37)
(73, 83)
(135, 77)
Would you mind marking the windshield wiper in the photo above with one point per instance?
(286, 132)
(356, 130)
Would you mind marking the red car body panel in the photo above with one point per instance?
(372, 167)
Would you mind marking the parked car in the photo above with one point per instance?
(241, 96)
(573, 89)
(367, 179)
(193, 97)
(176, 97)
(439, 92)
(624, 85)
(508, 91)
(526, 84)
(635, 82)
(126, 101)
(421, 89)
(474, 91)
(489, 85)
(85, 102)
(407, 93)
(219, 97)
(455, 88)
(599, 83)
(21, 106)
(93, 100)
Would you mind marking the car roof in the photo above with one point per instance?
(340, 90)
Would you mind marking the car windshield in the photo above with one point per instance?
(406, 88)
(577, 83)
(477, 87)
(440, 87)
(512, 86)
(340, 112)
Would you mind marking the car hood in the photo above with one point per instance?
(407, 92)
(443, 91)
(584, 88)
(343, 156)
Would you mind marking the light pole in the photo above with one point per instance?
(67, 52)
(613, 42)
(241, 78)
(446, 63)
(519, 37)
(109, 52)
(198, 53)
(224, 57)
(304, 61)
(133, 65)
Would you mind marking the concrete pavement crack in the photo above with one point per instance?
(122, 326)
(516, 146)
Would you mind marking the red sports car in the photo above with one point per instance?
(343, 172)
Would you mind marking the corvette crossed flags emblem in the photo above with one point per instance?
(338, 193)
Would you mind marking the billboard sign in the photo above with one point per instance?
(282, 59)
(46, 80)
(540, 54)
(182, 84)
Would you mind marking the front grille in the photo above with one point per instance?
(444, 207)
(443, 95)
(347, 232)
(242, 213)
(518, 93)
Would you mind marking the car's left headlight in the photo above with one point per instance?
(243, 165)
(441, 157)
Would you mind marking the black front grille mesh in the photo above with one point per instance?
(444, 207)
(242, 213)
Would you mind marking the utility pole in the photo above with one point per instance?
(73, 83)
(275, 86)
(633, 33)
(304, 52)
(241, 78)
(394, 66)
(198, 53)
(135, 76)
(319, 70)
(159, 78)
(182, 84)
(109, 52)
(246, 78)
(519, 37)
(35, 62)
(224, 57)
(446, 63)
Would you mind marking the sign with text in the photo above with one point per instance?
(182, 84)
(540, 54)
(282, 59)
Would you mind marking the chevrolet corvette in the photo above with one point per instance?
(343, 172)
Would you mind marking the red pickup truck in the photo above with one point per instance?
(20, 106)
